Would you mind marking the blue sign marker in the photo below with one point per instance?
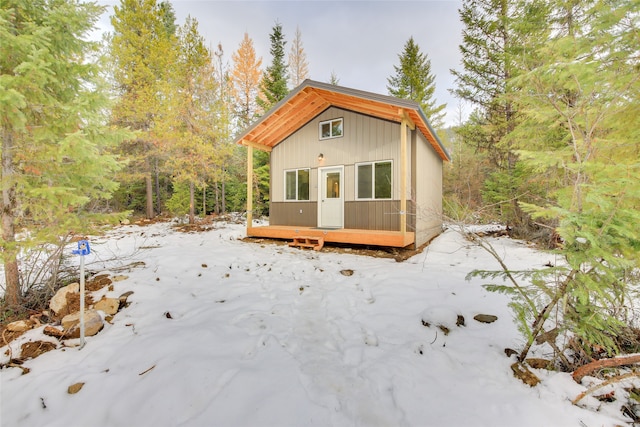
(83, 248)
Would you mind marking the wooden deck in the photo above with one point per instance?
(352, 236)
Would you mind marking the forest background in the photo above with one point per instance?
(142, 122)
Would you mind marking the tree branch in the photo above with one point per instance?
(584, 370)
(604, 384)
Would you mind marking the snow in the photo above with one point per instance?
(222, 332)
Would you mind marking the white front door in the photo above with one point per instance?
(330, 198)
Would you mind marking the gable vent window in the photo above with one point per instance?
(373, 180)
(296, 184)
(331, 129)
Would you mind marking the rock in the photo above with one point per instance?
(347, 272)
(119, 278)
(58, 303)
(33, 349)
(52, 331)
(107, 305)
(98, 282)
(92, 324)
(123, 299)
(536, 363)
(20, 326)
(460, 320)
(485, 318)
(74, 388)
(524, 374)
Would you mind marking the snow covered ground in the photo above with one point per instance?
(222, 332)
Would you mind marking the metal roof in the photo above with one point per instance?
(311, 98)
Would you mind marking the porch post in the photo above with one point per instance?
(403, 177)
(249, 186)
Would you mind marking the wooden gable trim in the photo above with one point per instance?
(292, 118)
(311, 98)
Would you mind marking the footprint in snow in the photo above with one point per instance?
(370, 338)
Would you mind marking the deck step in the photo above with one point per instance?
(308, 242)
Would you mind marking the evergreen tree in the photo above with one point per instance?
(223, 130)
(578, 97)
(491, 41)
(413, 80)
(333, 79)
(582, 103)
(298, 66)
(54, 138)
(189, 126)
(143, 49)
(273, 86)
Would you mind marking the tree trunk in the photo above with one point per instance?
(156, 171)
(192, 203)
(9, 250)
(149, 183)
(222, 196)
(217, 198)
(204, 200)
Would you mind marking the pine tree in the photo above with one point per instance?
(223, 130)
(245, 81)
(189, 127)
(333, 79)
(298, 66)
(54, 138)
(582, 102)
(414, 80)
(142, 49)
(492, 38)
(273, 86)
(578, 96)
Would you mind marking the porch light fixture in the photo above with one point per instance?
(320, 157)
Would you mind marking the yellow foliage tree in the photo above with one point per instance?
(245, 80)
(298, 65)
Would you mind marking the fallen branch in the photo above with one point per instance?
(584, 370)
(144, 372)
(604, 384)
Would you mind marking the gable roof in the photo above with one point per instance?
(311, 98)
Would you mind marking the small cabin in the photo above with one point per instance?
(348, 166)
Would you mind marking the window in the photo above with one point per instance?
(331, 129)
(373, 180)
(296, 184)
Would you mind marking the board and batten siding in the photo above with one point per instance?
(365, 139)
(428, 197)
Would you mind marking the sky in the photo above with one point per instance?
(359, 41)
(224, 332)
